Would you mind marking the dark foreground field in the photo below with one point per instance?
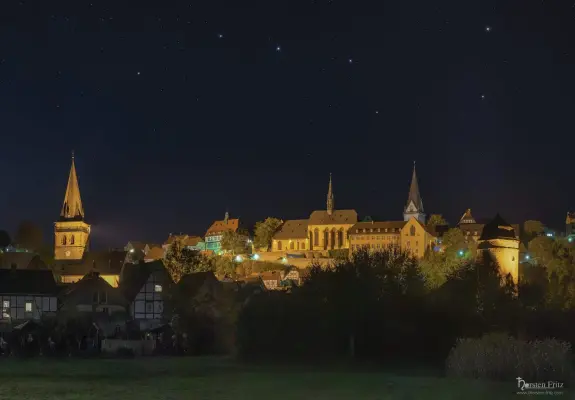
(211, 378)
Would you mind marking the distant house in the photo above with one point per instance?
(94, 296)
(294, 275)
(27, 295)
(215, 233)
(108, 265)
(190, 242)
(272, 279)
(136, 251)
(154, 253)
(21, 260)
(292, 235)
(143, 286)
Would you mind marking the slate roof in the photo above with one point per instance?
(134, 276)
(31, 282)
(498, 229)
(82, 292)
(467, 218)
(292, 229)
(137, 245)
(391, 226)
(190, 284)
(414, 195)
(103, 262)
(321, 217)
(22, 260)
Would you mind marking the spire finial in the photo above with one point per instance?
(330, 197)
(72, 155)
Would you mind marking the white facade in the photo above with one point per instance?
(25, 307)
(148, 306)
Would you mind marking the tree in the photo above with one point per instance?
(5, 239)
(436, 219)
(180, 260)
(456, 251)
(234, 242)
(533, 228)
(29, 236)
(264, 231)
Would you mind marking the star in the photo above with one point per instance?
(377, 111)
(138, 73)
(278, 48)
(482, 97)
(350, 60)
(220, 36)
(488, 29)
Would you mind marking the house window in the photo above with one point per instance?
(28, 306)
(72, 239)
(6, 304)
(291, 245)
(316, 237)
(64, 240)
(303, 246)
(412, 230)
(158, 288)
(149, 307)
(279, 244)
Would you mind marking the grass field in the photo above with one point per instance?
(219, 379)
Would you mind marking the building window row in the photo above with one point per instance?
(66, 241)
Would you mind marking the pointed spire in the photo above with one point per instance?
(72, 207)
(330, 197)
(414, 195)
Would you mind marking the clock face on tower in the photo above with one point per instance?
(67, 253)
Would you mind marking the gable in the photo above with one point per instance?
(411, 207)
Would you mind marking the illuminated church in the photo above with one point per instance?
(72, 257)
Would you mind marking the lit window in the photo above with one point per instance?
(6, 304)
(158, 288)
(28, 306)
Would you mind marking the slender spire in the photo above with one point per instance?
(330, 197)
(414, 195)
(72, 207)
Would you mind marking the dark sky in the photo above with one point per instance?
(178, 110)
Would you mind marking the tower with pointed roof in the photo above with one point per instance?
(414, 205)
(71, 232)
(330, 198)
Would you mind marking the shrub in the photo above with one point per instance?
(501, 357)
(125, 352)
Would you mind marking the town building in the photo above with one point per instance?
(328, 229)
(411, 234)
(214, 234)
(26, 295)
(291, 235)
(500, 241)
(144, 286)
(190, 242)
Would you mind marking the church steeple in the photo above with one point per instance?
(414, 206)
(330, 198)
(71, 233)
(72, 207)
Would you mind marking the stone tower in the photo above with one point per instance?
(330, 198)
(499, 240)
(70, 231)
(414, 206)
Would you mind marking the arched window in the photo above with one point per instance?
(64, 240)
(291, 246)
(316, 237)
(412, 230)
(340, 239)
(72, 239)
(279, 244)
(303, 245)
(332, 239)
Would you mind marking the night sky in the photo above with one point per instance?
(180, 110)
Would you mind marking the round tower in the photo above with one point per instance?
(499, 240)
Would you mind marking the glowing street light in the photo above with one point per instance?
(461, 253)
(256, 256)
(239, 259)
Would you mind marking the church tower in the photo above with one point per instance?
(330, 199)
(500, 241)
(414, 206)
(71, 232)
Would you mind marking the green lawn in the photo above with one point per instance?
(212, 378)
